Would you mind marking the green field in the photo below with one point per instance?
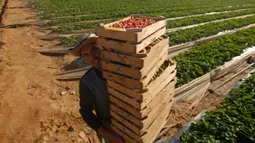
(222, 125)
(233, 121)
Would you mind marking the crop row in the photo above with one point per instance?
(125, 13)
(88, 25)
(233, 121)
(80, 26)
(99, 6)
(191, 34)
(177, 37)
(206, 57)
(206, 18)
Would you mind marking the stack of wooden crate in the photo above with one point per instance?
(140, 78)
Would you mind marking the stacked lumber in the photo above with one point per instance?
(140, 78)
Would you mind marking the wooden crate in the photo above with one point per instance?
(118, 103)
(134, 129)
(136, 73)
(130, 35)
(153, 88)
(134, 83)
(127, 47)
(141, 59)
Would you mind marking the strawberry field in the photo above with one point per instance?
(232, 121)
(187, 21)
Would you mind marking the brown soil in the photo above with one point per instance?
(31, 107)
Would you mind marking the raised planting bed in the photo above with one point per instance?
(232, 121)
(206, 57)
(191, 34)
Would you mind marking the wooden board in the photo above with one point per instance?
(153, 88)
(135, 72)
(151, 132)
(167, 100)
(132, 119)
(123, 135)
(125, 35)
(134, 61)
(126, 115)
(136, 83)
(139, 106)
(129, 48)
(136, 129)
(135, 137)
(157, 125)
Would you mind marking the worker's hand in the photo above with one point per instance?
(112, 137)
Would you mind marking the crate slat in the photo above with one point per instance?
(136, 129)
(135, 72)
(124, 136)
(153, 88)
(126, 130)
(133, 115)
(124, 35)
(166, 97)
(147, 73)
(157, 125)
(136, 61)
(129, 48)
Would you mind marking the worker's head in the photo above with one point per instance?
(88, 50)
(91, 54)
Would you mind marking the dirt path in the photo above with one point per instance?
(31, 107)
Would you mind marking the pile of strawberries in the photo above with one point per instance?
(133, 23)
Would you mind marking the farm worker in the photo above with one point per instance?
(93, 90)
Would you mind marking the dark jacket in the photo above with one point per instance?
(94, 95)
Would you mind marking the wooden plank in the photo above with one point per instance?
(192, 84)
(125, 107)
(157, 125)
(54, 50)
(133, 83)
(135, 72)
(224, 69)
(191, 92)
(134, 61)
(124, 80)
(126, 99)
(71, 75)
(154, 114)
(153, 88)
(154, 63)
(125, 90)
(150, 30)
(117, 68)
(127, 123)
(129, 48)
(125, 130)
(122, 34)
(75, 70)
(124, 136)
(151, 115)
(167, 91)
(138, 105)
(152, 93)
(126, 115)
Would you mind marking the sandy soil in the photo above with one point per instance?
(31, 107)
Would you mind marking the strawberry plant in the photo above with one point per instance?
(206, 18)
(206, 57)
(233, 121)
(191, 34)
